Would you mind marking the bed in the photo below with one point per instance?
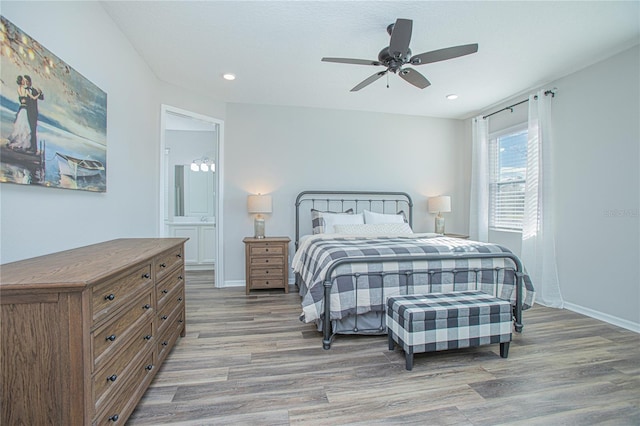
(354, 249)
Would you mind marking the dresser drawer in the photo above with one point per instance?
(163, 288)
(175, 325)
(175, 301)
(113, 335)
(123, 403)
(112, 294)
(261, 249)
(117, 371)
(167, 261)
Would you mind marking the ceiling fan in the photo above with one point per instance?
(398, 54)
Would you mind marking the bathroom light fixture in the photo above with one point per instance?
(229, 76)
(452, 96)
(203, 164)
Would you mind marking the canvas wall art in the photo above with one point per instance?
(53, 121)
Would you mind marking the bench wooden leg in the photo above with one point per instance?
(504, 349)
(408, 361)
(391, 342)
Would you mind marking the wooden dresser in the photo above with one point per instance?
(84, 331)
(266, 261)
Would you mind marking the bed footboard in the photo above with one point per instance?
(329, 281)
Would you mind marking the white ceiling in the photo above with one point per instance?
(275, 47)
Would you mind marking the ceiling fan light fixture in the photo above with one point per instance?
(452, 96)
(229, 76)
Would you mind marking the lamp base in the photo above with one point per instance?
(439, 224)
(258, 227)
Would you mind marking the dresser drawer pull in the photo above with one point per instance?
(147, 276)
(164, 317)
(165, 291)
(165, 343)
(149, 367)
(179, 299)
(111, 338)
(266, 261)
(147, 306)
(179, 256)
(266, 249)
(112, 378)
(114, 418)
(163, 265)
(180, 277)
(147, 337)
(180, 321)
(110, 296)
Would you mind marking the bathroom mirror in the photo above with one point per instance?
(194, 192)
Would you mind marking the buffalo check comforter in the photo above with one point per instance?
(351, 296)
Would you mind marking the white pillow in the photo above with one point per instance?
(371, 217)
(332, 219)
(374, 229)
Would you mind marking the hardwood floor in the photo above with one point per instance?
(249, 360)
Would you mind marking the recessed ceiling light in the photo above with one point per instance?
(229, 76)
(452, 96)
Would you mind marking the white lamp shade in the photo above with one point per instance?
(441, 204)
(259, 204)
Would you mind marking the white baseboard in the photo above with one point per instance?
(242, 283)
(233, 283)
(629, 325)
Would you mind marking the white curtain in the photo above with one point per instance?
(538, 240)
(479, 203)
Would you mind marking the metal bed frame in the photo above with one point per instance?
(370, 199)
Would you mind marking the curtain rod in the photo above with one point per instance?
(510, 107)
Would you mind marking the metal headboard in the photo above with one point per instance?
(340, 201)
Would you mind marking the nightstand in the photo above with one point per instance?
(464, 237)
(266, 263)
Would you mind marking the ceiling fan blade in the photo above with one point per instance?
(443, 54)
(369, 80)
(400, 38)
(352, 61)
(414, 77)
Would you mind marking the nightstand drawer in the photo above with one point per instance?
(262, 283)
(261, 249)
(275, 272)
(266, 261)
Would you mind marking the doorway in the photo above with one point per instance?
(191, 186)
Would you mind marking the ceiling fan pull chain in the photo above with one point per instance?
(387, 80)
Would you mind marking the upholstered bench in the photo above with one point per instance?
(439, 321)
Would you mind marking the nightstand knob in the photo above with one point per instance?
(110, 297)
(114, 418)
(164, 317)
(266, 261)
(147, 306)
(111, 338)
(112, 378)
(147, 276)
(163, 265)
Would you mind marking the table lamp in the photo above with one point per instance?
(441, 204)
(259, 204)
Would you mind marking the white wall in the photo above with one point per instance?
(285, 150)
(37, 220)
(596, 160)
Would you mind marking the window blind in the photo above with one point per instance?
(508, 171)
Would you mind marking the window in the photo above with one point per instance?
(507, 177)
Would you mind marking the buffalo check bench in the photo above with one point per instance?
(439, 321)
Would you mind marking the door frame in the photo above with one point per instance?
(219, 187)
